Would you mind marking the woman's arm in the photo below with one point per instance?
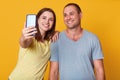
(26, 37)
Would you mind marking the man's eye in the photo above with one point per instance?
(65, 15)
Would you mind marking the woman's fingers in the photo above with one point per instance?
(29, 32)
(55, 36)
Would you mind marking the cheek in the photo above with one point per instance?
(74, 17)
(65, 19)
(39, 22)
(51, 23)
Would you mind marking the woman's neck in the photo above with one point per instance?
(43, 33)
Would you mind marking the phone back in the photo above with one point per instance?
(30, 20)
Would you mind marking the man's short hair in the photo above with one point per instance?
(75, 5)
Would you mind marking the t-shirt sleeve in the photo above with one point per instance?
(54, 51)
(96, 49)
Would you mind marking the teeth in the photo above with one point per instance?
(69, 22)
(46, 25)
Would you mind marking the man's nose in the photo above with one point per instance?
(68, 17)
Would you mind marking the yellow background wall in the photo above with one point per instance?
(101, 17)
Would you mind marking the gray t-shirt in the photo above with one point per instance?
(76, 57)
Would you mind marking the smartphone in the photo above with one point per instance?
(30, 20)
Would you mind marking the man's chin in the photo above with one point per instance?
(70, 27)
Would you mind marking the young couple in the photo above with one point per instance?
(74, 55)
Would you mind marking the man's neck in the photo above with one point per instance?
(74, 34)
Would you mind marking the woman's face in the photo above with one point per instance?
(45, 21)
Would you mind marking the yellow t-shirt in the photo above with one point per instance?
(32, 62)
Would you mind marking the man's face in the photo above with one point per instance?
(71, 17)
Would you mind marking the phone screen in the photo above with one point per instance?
(30, 20)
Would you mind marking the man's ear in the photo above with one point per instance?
(81, 15)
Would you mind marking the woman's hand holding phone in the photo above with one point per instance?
(29, 32)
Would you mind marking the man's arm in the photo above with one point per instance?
(99, 69)
(54, 72)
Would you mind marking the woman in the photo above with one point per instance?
(35, 50)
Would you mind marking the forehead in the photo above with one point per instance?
(47, 13)
(70, 8)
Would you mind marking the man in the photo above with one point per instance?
(77, 53)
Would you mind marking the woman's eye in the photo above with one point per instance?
(51, 19)
(43, 18)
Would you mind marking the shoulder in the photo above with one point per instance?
(90, 35)
(92, 38)
(61, 36)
